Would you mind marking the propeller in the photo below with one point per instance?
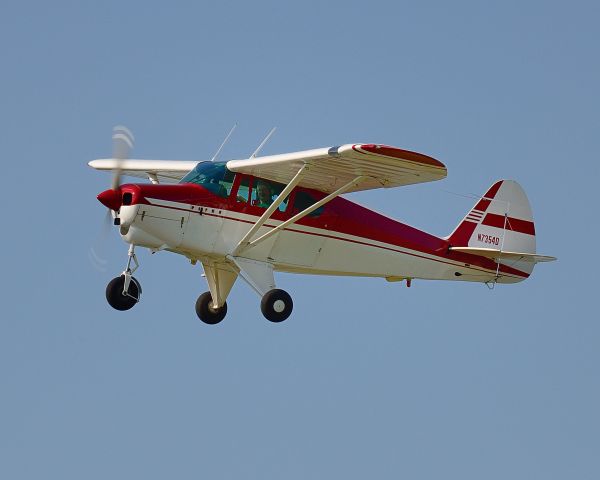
(122, 145)
(122, 141)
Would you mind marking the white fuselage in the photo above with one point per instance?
(202, 233)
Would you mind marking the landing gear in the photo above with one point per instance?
(123, 292)
(206, 312)
(276, 305)
(121, 299)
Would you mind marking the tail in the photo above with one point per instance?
(500, 226)
(501, 219)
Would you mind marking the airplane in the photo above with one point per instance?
(253, 217)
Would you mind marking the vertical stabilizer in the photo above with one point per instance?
(501, 220)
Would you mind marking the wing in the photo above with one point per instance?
(166, 171)
(330, 168)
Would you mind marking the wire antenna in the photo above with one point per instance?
(263, 142)
(214, 157)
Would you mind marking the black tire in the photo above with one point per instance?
(115, 297)
(276, 305)
(206, 312)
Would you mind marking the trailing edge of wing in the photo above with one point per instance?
(165, 170)
(500, 255)
(330, 168)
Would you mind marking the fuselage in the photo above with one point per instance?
(207, 221)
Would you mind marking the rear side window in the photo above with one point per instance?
(304, 200)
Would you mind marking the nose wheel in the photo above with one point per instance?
(120, 298)
(123, 292)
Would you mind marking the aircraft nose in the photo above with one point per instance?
(111, 199)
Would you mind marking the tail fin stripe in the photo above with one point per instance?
(462, 233)
(482, 205)
(491, 193)
(514, 224)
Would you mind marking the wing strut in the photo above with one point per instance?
(300, 215)
(243, 243)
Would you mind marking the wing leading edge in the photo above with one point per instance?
(330, 168)
(166, 171)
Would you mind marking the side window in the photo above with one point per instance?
(220, 185)
(227, 183)
(304, 200)
(266, 192)
(243, 193)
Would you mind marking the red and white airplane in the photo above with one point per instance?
(284, 213)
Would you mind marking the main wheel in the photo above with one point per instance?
(206, 312)
(276, 305)
(115, 297)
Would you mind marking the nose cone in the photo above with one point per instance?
(111, 199)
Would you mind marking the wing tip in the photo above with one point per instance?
(395, 152)
(99, 163)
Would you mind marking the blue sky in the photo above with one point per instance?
(366, 379)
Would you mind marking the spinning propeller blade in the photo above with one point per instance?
(97, 252)
(122, 146)
(122, 140)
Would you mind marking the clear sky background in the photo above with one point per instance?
(366, 379)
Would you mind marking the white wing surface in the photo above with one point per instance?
(331, 168)
(166, 171)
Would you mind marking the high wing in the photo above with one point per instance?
(331, 168)
(165, 171)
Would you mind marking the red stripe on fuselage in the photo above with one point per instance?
(468, 259)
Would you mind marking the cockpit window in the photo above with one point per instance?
(213, 176)
(265, 192)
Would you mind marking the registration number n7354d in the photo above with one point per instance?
(484, 238)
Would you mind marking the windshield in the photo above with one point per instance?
(213, 176)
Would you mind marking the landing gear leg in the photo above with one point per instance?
(128, 273)
(123, 292)
(276, 304)
(211, 306)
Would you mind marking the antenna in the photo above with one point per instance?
(224, 142)
(263, 142)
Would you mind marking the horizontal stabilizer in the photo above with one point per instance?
(501, 255)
